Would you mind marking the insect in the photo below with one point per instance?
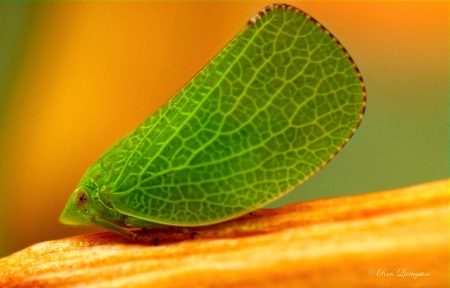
(269, 111)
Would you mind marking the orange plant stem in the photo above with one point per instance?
(396, 238)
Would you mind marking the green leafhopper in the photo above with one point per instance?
(270, 110)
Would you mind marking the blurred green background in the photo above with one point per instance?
(76, 77)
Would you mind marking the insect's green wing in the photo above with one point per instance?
(265, 114)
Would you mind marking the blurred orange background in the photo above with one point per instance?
(76, 77)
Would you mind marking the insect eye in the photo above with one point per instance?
(81, 198)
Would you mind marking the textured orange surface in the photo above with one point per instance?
(396, 238)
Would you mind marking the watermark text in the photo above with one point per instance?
(401, 272)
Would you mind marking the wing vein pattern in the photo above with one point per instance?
(272, 108)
